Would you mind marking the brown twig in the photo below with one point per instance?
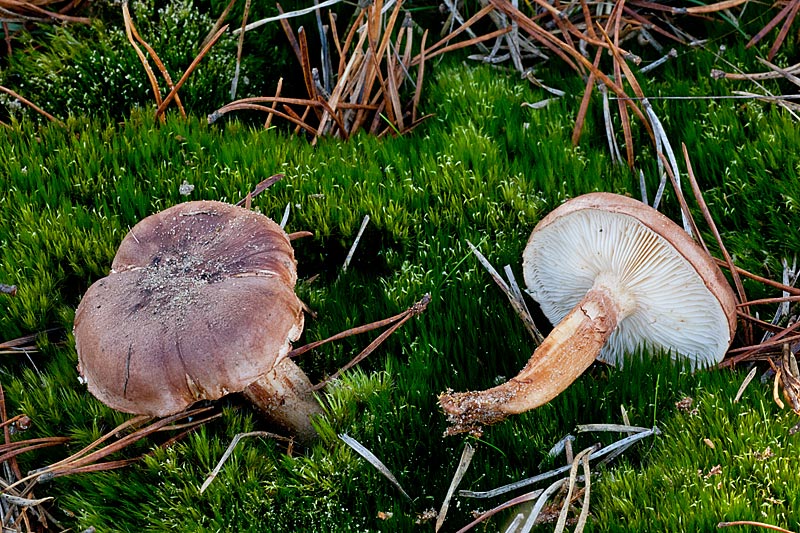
(415, 309)
(698, 195)
(126, 17)
(261, 187)
(789, 12)
(753, 524)
(157, 60)
(755, 277)
(189, 70)
(30, 104)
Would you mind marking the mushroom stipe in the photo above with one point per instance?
(615, 275)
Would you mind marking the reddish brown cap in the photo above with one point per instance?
(200, 302)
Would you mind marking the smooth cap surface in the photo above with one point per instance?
(200, 302)
(671, 294)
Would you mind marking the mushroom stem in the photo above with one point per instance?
(284, 395)
(564, 355)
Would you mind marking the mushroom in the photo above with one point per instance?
(199, 303)
(615, 275)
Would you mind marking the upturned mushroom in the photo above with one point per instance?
(615, 275)
(199, 303)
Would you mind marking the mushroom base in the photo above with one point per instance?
(564, 355)
(285, 396)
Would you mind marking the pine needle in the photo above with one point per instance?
(373, 460)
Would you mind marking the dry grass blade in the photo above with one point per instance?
(305, 64)
(620, 428)
(612, 448)
(373, 460)
(745, 383)
(690, 227)
(710, 8)
(766, 281)
(12, 449)
(698, 195)
(283, 16)
(391, 92)
(268, 122)
(413, 310)
(777, 300)
(218, 24)
(129, 27)
(584, 107)
(7, 433)
(770, 75)
(776, 340)
(26, 502)
(25, 343)
(540, 503)
(290, 115)
(781, 72)
(214, 473)
(27, 10)
(85, 459)
(587, 488)
(463, 464)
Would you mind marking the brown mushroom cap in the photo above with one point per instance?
(200, 302)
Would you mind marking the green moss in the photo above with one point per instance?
(484, 170)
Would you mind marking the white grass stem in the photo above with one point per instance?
(619, 428)
(373, 460)
(607, 450)
(658, 130)
(355, 243)
(515, 523)
(285, 217)
(463, 464)
(517, 302)
(540, 503)
(573, 475)
(230, 449)
(291, 14)
(745, 383)
(643, 187)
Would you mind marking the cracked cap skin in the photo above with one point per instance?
(199, 302)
